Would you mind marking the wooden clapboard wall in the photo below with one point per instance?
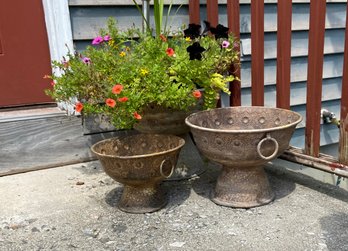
(88, 16)
(49, 140)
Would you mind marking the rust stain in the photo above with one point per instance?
(1, 50)
(309, 145)
(343, 144)
(334, 166)
(312, 143)
(344, 122)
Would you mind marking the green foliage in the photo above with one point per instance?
(151, 70)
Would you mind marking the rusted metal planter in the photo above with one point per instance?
(140, 162)
(242, 139)
(161, 120)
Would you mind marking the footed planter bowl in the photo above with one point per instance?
(242, 139)
(140, 162)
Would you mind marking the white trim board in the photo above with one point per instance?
(59, 32)
(58, 26)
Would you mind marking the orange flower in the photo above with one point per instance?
(197, 94)
(137, 116)
(117, 89)
(46, 76)
(110, 102)
(66, 64)
(78, 107)
(123, 99)
(170, 52)
(163, 38)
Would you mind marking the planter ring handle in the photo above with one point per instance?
(276, 145)
(161, 169)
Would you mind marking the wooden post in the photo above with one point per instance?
(194, 12)
(343, 143)
(213, 12)
(257, 52)
(284, 53)
(233, 15)
(314, 76)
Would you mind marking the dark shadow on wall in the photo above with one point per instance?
(335, 231)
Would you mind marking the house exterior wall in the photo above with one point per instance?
(87, 17)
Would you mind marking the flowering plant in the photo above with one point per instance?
(123, 72)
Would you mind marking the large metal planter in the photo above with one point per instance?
(157, 119)
(242, 139)
(161, 120)
(140, 162)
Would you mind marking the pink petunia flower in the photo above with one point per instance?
(225, 44)
(97, 40)
(86, 60)
(107, 38)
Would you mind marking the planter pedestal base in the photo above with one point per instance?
(242, 187)
(145, 199)
(140, 162)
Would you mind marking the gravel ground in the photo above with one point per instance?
(74, 208)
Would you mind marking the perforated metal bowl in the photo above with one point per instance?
(140, 162)
(242, 139)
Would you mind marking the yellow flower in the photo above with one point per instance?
(144, 72)
(111, 43)
(188, 39)
(122, 54)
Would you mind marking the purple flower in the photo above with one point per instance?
(86, 60)
(225, 44)
(195, 51)
(107, 38)
(193, 31)
(219, 31)
(97, 40)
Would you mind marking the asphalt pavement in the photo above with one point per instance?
(74, 208)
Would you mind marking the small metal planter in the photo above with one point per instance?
(242, 139)
(140, 162)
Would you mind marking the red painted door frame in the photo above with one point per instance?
(24, 53)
